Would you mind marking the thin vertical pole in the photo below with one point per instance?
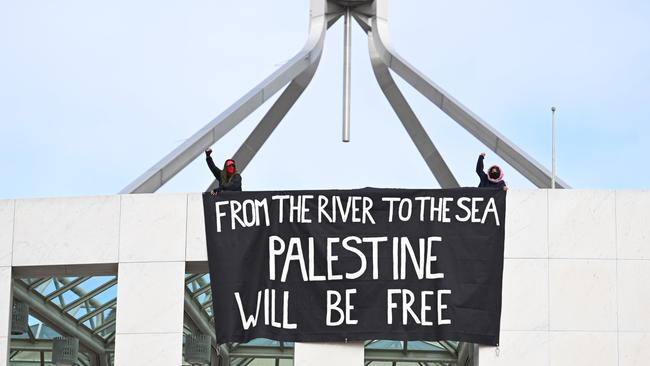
(346, 77)
(553, 156)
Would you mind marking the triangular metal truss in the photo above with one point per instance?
(296, 75)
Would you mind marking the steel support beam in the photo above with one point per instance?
(446, 345)
(480, 129)
(467, 354)
(66, 286)
(206, 304)
(81, 293)
(60, 321)
(39, 282)
(224, 355)
(201, 291)
(275, 114)
(408, 356)
(271, 119)
(198, 317)
(32, 346)
(261, 352)
(104, 360)
(189, 150)
(97, 311)
(410, 121)
(41, 346)
(104, 326)
(90, 295)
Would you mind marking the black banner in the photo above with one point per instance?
(356, 264)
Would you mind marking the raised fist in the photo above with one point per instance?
(208, 151)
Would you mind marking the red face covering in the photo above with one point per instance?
(230, 167)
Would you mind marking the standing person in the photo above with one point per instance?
(494, 176)
(229, 178)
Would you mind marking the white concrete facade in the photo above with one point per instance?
(576, 283)
(576, 275)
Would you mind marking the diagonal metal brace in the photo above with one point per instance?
(418, 134)
(189, 150)
(482, 131)
(271, 120)
(58, 319)
(275, 114)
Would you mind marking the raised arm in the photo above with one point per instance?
(213, 168)
(479, 167)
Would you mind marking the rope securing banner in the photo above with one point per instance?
(361, 264)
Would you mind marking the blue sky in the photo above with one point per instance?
(92, 94)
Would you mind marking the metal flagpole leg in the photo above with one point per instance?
(507, 150)
(347, 49)
(276, 113)
(418, 135)
(271, 120)
(189, 150)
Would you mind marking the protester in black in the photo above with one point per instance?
(494, 176)
(228, 177)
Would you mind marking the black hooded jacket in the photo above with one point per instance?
(485, 181)
(232, 183)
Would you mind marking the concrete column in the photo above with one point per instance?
(6, 240)
(325, 354)
(150, 314)
(151, 280)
